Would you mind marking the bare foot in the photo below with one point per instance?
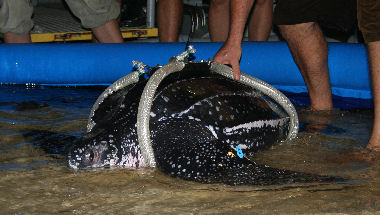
(317, 120)
(365, 155)
(374, 141)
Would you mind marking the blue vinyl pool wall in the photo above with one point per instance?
(102, 64)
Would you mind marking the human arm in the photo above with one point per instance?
(230, 52)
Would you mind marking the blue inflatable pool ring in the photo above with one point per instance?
(102, 64)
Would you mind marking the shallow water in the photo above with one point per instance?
(34, 178)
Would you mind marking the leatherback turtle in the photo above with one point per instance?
(203, 127)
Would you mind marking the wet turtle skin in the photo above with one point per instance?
(203, 128)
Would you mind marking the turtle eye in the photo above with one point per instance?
(91, 156)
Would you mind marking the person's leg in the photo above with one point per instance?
(95, 39)
(16, 20)
(260, 22)
(219, 20)
(374, 61)
(169, 19)
(10, 37)
(100, 16)
(369, 25)
(108, 33)
(309, 50)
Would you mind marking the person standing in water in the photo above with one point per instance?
(300, 25)
(369, 24)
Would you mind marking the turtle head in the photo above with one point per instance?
(109, 152)
(90, 154)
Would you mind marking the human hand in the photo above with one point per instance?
(230, 55)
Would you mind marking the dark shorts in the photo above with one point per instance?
(337, 15)
(369, 19)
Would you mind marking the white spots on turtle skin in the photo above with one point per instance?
(113, 162)
(132, 107)
(186, 111)
(133, 162)
(257, 124)
(166, 99)
(122, 105)
(130, 156)
(211, 128)
(114, 152)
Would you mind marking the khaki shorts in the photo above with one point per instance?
(369, 19)
(94, 13)
(15, 15)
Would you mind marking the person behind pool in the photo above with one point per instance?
(259, 24)
(300, 24)
(169, 19)
(100, 16)
(369, 24)
(170, 12)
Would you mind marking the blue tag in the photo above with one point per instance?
(239, 152)
(146, 76)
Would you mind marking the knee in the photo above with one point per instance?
(298, 28)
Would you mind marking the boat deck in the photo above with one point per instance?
(58, 25)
